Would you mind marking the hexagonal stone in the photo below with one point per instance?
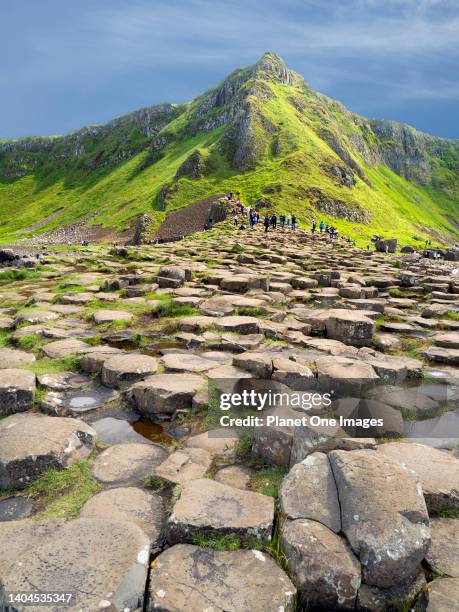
(443, 554)
(143, 508)
(321, 564)
(124, 369)
(383, 515)
(447, 340)
(109, 316)
(309, 492)
(64, 348)
(295, 375)
(104, 562)
(240, 325)
(93, 362)
(11, 358)
(343, 374)
(32, 443)
(36, 316)
(128, 463)
(220, 443)
(436, 470)
(237, 476)
(165, 393)
(443, 595)
(208, 506)
(62, 381)
(76, 298)
(17, 390)
(91, 395)
(184, 465)
(14, 508)
(186, 577)
(187, 362)
(350, 327)
(442, 355)
(258, 364)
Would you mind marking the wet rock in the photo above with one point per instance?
(144, 509)
(211, 507)
(32, 443)
(63, 381)
(104, 562)
(436, 470)
(17, 391)
(121, 370)
(186, 577)
(91, 396)
(309, 492)
(321, 564)
(383, 515)
(128, 463)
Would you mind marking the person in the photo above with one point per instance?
(266, 223)
(293, 222)
(321, 226)
(289, 220)
(252, 219)
(313, 227)
(282, 220)
(235, 219)
(274, 221)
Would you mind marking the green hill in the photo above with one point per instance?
(262, 132)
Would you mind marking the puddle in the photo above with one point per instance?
(111, 430)
(152, 432)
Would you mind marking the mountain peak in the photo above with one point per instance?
(272, 67)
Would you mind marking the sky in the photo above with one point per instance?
(67, 64)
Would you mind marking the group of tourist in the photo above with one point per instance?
(329, 230)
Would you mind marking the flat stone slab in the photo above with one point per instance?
(64, 348)
(63, 381)
(221, 443)
(105, 562)
(442, 355)
(128, 463)
(31, 443)
(436, 470)
(166, 393)
(237, 476)
(343, 373)
(443, 554)
(91, 396)
(321, 564)
(241, 325)
(17, 390)
(208, 506)
(122, 370)
(11, 358)
(309, 492)
(184, 465)
(36, 316)
(443, 595)
(448, 340)
(350, 327)
(187, 362)
(143, 508)
(109, 316)
(186, 577)
(383, 515)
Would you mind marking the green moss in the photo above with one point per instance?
(62, 493)
(268, 480)
(46, 365)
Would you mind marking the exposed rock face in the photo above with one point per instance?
(32, 443)
(386, 246)
(187, 577)
(309, 492)
(192, 167)
(437, 471)
(443, 553)
(322, 565)
(210, 507)
(383, 515)
(102, 561)
(17, 390)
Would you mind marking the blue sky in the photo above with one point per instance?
(66, 64)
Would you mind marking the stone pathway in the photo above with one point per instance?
(109, 360)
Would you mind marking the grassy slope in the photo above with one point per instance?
(397, 207)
